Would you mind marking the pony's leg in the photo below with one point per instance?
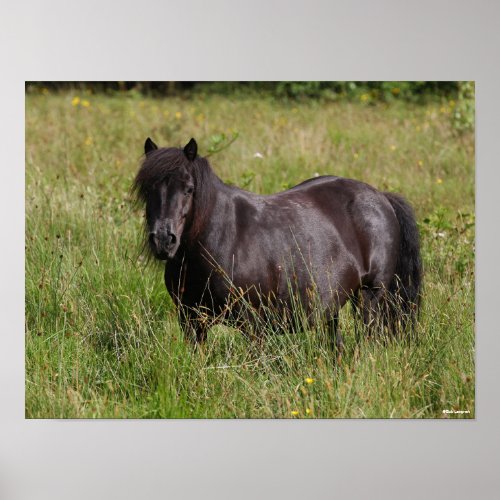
(357, 313)
(194, 328)
(200, 331)
(336, 341)
(374, 302)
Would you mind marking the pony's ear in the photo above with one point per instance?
(191, 150)
(149, 146)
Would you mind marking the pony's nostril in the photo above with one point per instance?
(161, 241)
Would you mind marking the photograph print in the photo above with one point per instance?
(252, 250)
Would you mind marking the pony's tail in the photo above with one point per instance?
(405, 287)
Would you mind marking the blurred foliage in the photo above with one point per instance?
(364, 91)
(463, 117)
(367, 92)
(457, 96)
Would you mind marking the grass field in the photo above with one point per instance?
(102, 338)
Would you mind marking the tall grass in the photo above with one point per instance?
(102, 338)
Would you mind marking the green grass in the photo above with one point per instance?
(102, 338)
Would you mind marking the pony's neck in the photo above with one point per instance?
(211, 216)
(209, 190)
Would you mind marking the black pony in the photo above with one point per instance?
(323, 242)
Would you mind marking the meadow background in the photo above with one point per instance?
(102, 339)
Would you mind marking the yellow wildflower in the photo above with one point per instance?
(294, 413)
(356, 156)
(88, 141)
(309, 380)
(439, 180)
(364, 97)
(393, 147)
(75, 101)
(85, 103)
(178, 115)
(308, 411)
(420, 163)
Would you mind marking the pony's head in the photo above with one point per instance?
(167, 183)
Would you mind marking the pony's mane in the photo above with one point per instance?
(161, 163)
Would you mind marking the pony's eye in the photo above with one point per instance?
(189, 190)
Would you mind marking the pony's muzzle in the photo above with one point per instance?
(162, 243)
